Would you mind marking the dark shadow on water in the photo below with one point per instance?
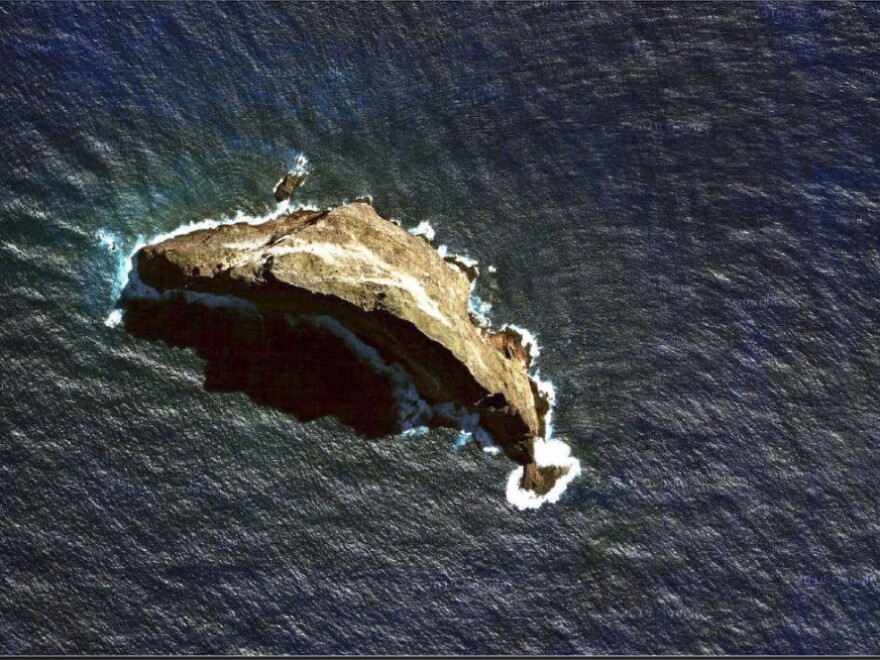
(301, 369)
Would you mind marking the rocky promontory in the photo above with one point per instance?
(391, 290)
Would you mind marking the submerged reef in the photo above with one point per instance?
(342, 312)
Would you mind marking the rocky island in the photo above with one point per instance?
(383, 292)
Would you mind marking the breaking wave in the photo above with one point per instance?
(548, 453)
(424, 229)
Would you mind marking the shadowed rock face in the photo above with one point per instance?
(394, 297)
(288, 184)
(301, 368)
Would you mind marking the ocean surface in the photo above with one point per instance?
(680, 201)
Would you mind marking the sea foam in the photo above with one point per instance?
(551, 452)
(424, 229)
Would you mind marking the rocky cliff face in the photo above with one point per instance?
(392, 290)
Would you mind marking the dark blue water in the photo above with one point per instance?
(681, 202)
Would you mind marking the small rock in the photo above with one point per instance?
(288, 184)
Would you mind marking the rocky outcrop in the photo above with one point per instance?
(510, 342)
(288, 184)
(390, 289)
(466, 266)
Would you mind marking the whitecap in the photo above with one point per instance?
(424, 229)
(547, 453)
(114, 318)
(108, 239)
(300, 165)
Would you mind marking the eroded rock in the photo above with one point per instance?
(390, 290)
(288, 184)
(510, 342)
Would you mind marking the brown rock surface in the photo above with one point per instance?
(509, 342)
(287, 185)
(391, 289)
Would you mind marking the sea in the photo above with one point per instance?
(679, 201)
